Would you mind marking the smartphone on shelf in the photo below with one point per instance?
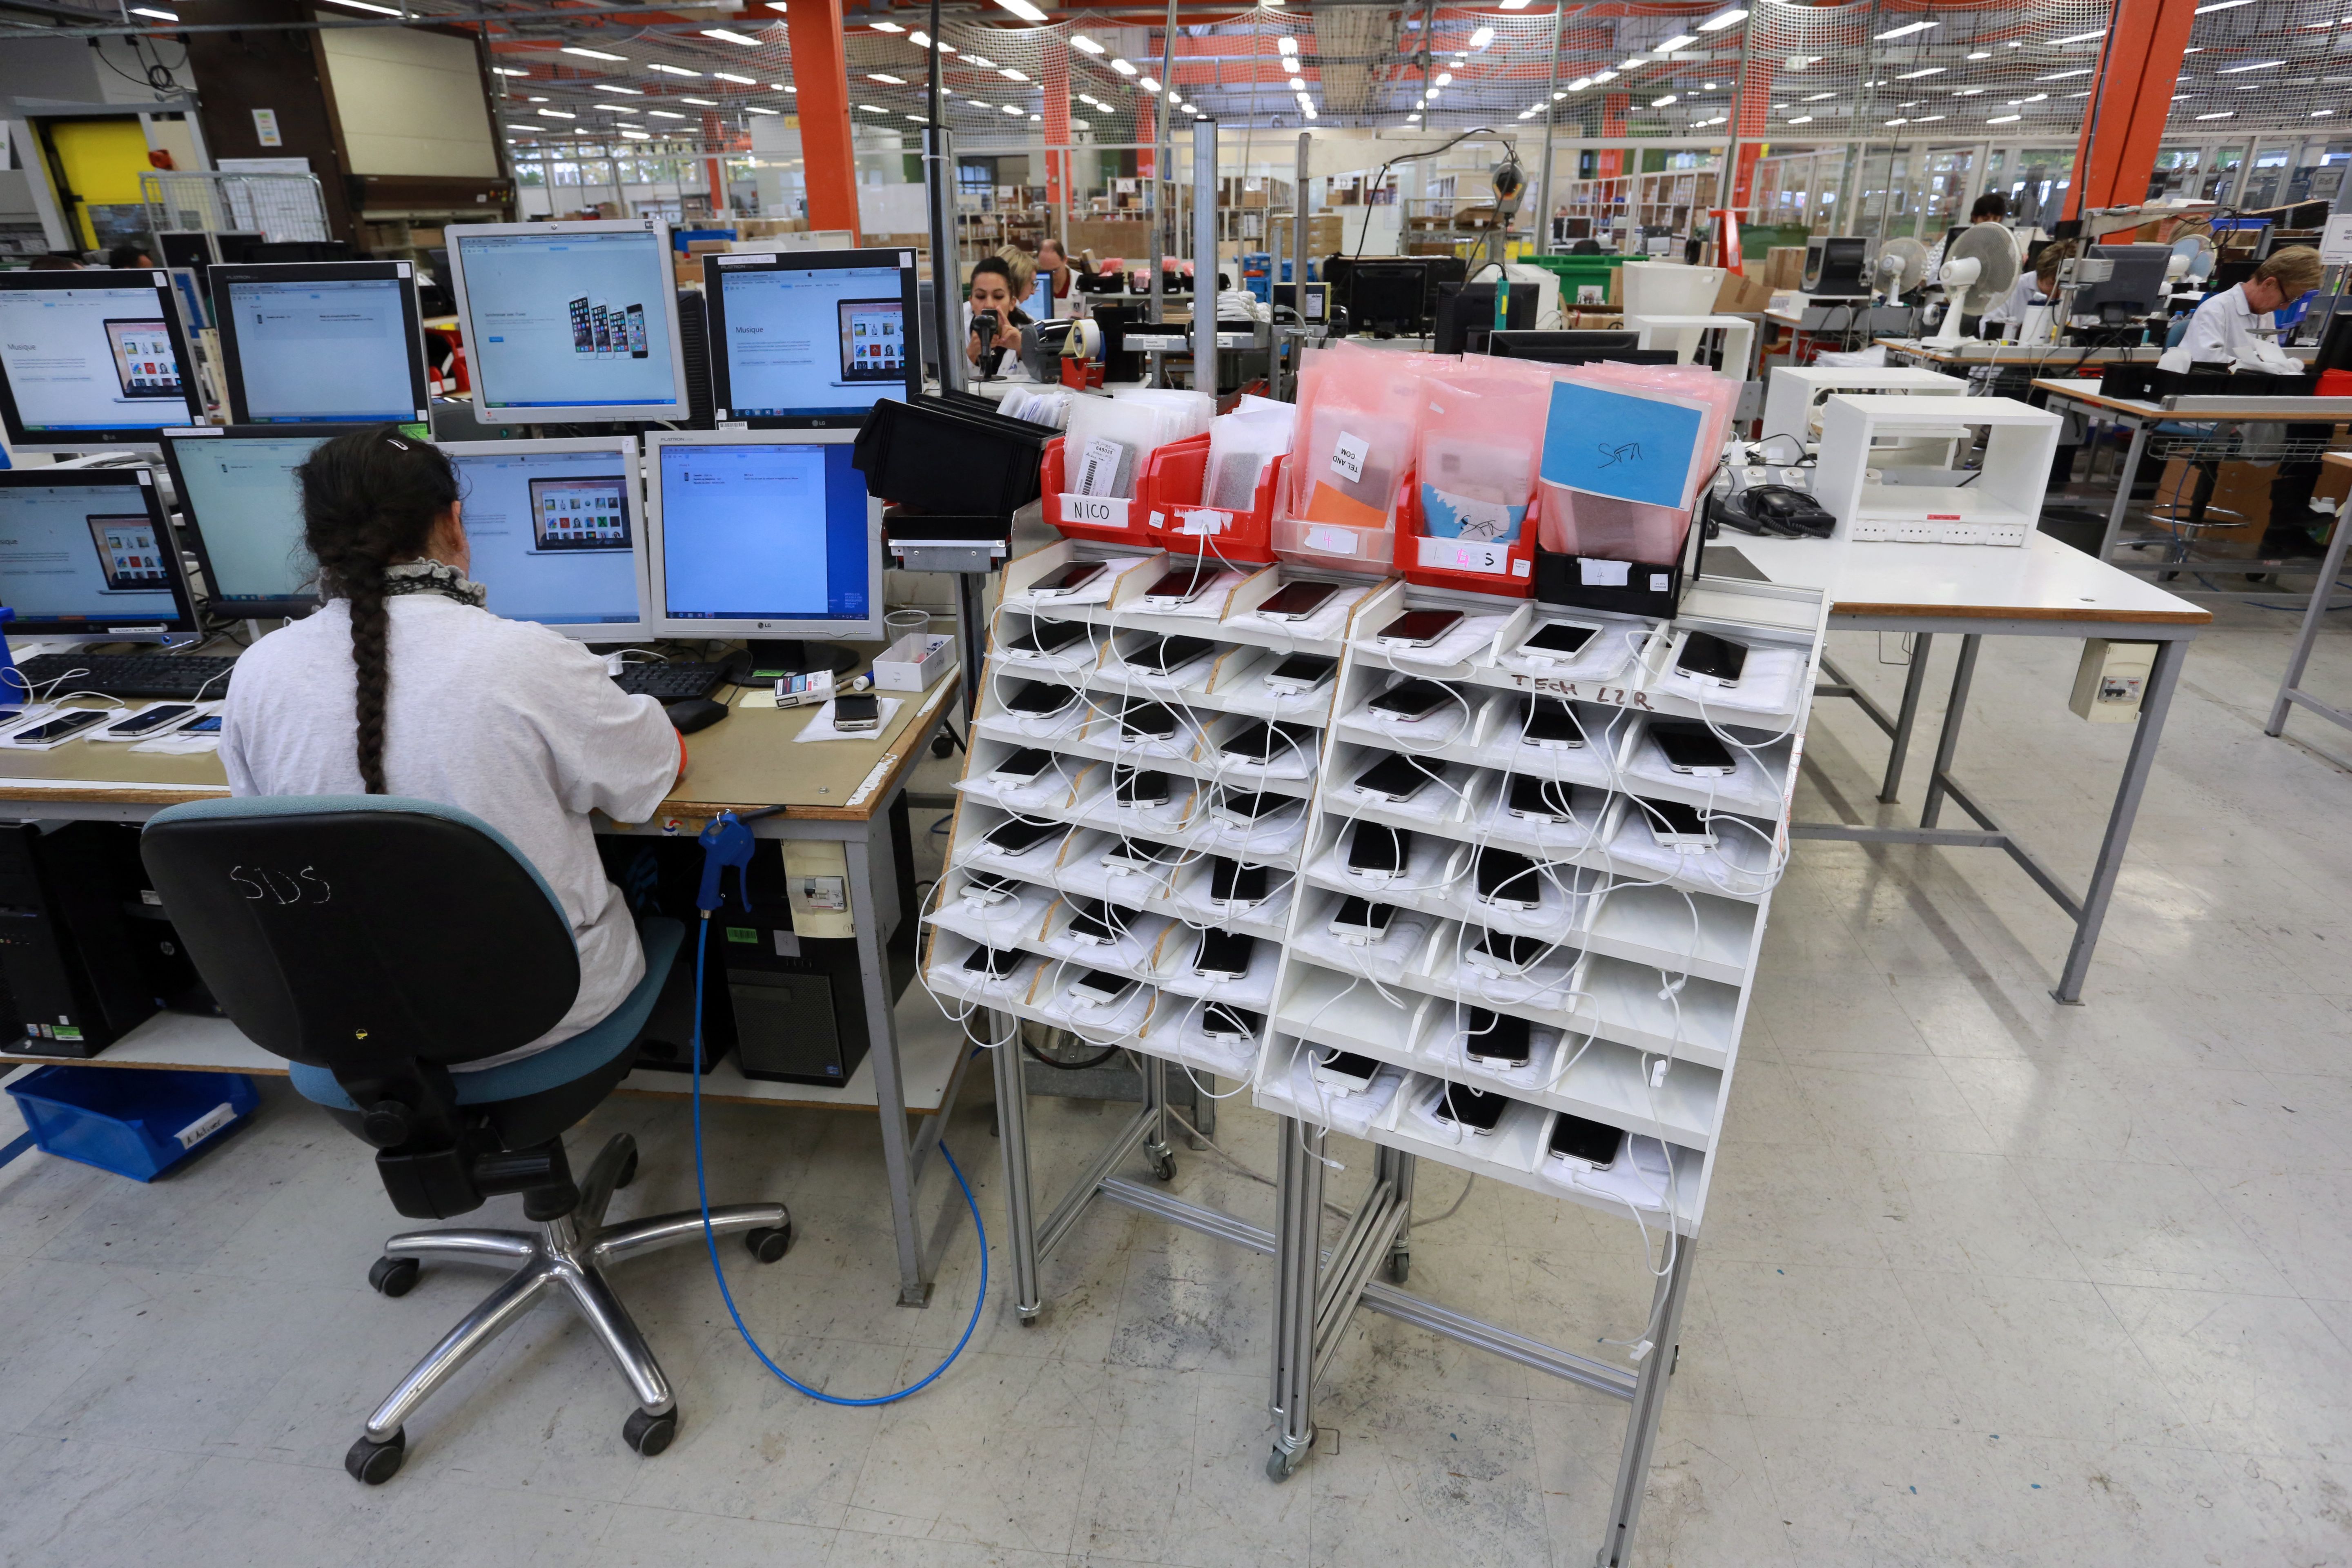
(1472, 1110)
(1241, 808)
(1343, 1072)
(1040, 699)
(1377, 852)
(1562, 639)
(1508, 878)
(1017, 835)
(1692, 749)
(1550, 722)
(1146, 721)
(1418, 628)
(1219, 1022)
(1496, 1038)
(1397, 779)
(1222, 955)
(1100, 988)
(1409, 700)
(1300, 674)
(1180, 587)
(1711, 658)
(1675, 825)
(1533, 799)
(995, 962)
(1594, 1145)
(1024, 766)
(1297, 601)
(1102, 923)
(1138, 787)
(1138, 854)
(1045, 638)
(1069, 579)
(1359, 922)
(1236, 886)
(1499, 954)
(1165, 655)
(983, 889)
(1261, 742)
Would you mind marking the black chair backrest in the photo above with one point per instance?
(364, 933)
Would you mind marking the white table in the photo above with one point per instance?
(2042, 588)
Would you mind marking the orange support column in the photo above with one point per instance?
(1611, 161)
(2137, 68)
(821, 71)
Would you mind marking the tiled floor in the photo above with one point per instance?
(1986, 1280)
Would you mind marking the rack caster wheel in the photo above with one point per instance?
(649, 1434)
(768, 1244)
(1029, 1320)
(1280, 1466)
(394, 1277)
(1399, 1267)
(377, 1463)
(1163, 1166)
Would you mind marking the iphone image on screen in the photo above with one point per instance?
(636, 331)
(583, 336)
(128, 553)
(143, 363)
(601, 319)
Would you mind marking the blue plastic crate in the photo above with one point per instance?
(134, 1121)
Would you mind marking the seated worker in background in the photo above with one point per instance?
(992, 289)
(1054, 262)
(404, 684)
(2037, 286)
(125, 256)
(2226, 332)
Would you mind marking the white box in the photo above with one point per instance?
(2000, 504)
(914, 662)
(1793, 397)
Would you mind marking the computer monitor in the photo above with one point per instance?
(1040, 303)
(762, 534)
(87, 551)
(556, 529)
(808, 340)
(1388, 296)
(93, 359)
(1577, 348)
(572, 322)
(189, 247)
(243, 506)
(1466, 315)
(320, 342)
(1315, 310)
(2136, 287)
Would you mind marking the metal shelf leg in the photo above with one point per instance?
(1649, 1401)
(1013, 1139)
(1298, 1203)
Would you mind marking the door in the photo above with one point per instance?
(95, 164)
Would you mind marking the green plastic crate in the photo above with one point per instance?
(1599, 271)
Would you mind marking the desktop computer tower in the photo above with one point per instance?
(799, 1002)
(74, 969)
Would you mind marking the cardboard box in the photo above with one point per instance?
(1122, 237)
(1784, 266)
(1741, 295)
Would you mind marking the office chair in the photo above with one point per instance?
(377, 943)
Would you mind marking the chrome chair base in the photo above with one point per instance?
(568, 1255)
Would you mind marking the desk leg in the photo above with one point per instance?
(2123, 482)
(1948, 741)
(1012, 1134)
(971, 636)
(2169, 656)
(2312, 618)
(1914, 680)
(1649, 1401)
(889, 1089)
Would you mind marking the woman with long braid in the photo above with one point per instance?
(404, 684)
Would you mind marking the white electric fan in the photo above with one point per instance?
(1979, 267)
(1901, 265)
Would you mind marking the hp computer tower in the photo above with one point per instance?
(76, 971)
(799, 1001)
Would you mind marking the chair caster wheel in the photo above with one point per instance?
(941, 746)
(1280, 1466)
(628, 1172)
(1163, 1166)
(649, 1434)
(377, 1463)
(768, 1244)
(394, 1277)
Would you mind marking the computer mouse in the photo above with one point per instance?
(694, 714)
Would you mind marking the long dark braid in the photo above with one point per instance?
(370, 500)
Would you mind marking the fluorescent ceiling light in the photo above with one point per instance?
(886, 76)
(1014, 109)
(1967, 91)
(2080, 39)
(1636, 63)
(1915, 75)
(671, 71)
(705, 103)
(637, 135)
(1906, 31)
(2321, 113)
(2222, 6)
(2061, 76)
(1297, 84)
(2256, 66)
(868, 108)
(729, 36)
(2225, 114)
(730, 76)
(881, 26)
(2004, 119)
(555, 114)
(535, 100)
(1023, 9)
(1579, 84)
(1662, 102)
(1080, 41)
(1286, 44)
(2029, 98)
(1123, 68)
(506, 70)
(1897, 122)
(1482, 37)
(917, 119)
(159, 16)
(608, 86)
(1981, 55)
(919, 37)
(1147, 84)
(1511, 5)
(1716, 23)
(1927, 119)
(1009, 74)
(1679, 41)
(755, 108)
(1605, 76)
(663, 114)
(616, 108)
(562, 50)
(1800, 119)
(784, 86)
(1446, 79)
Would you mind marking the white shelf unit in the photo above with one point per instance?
(1636, 1002)
(2000, 503)
(1793, 395)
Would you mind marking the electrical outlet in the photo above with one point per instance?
(2111, 680)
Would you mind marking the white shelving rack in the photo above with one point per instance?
(1635, 1000)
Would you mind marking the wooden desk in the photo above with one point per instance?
(2315, 615)
(843, 791)
(2043, 588)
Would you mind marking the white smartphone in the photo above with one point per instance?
(1344, 1072)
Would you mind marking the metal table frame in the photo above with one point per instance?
(2315, 616)
(2088, 910)
(1317, 1291)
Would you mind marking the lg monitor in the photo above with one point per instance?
(87, 551)
(763, 535)
(243, 506)
(556, 530)
(809, 340)
(1466, 315)
(1388, 297)
(320, 342)
(570, 322)
(2136, 287)
(93, 359)
(1577, 348)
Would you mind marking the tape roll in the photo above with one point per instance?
(1086, 340)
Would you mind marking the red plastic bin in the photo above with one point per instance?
(1170, 496)
(1506, 571)
(1119, 522)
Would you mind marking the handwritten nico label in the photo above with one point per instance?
(1348, 454)
(1466, 555)
(1101, 511)
(1203, 519)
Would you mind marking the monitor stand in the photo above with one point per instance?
(772, 657)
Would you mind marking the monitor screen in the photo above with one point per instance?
(1040, 303)
(554, 533)
(810, 338)
(764, 531)
(90, 358)
(558, 319)
(310, 343)
(241, 494)
(75, 553)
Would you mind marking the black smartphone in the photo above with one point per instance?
(1411, 700)
(1244, 809)
(1070, 578)
(1493, 1037)
(1398, 779)
(210, 724)
(1676, 824)
(1023, 766)
(1360, 921)
(1137, 854)
(1223, 955)
(1297, 601)
(1016, 837)
(1146, 721)
(989, 887)
(1039, 699)
(1593, 1143)
(995, 962)
(1101, 987)
(1219, 1022)
(1419, 628)
(162, 713)
(1472, 1108)
(1560, 637)
(1168, 654)
(1100, 921)
(1712, 657)
(1138, 786)
(1259, 742)
(63, 725)
(1044, 637)
(1376, 849)
(1506, 876)
(1300, 673)
(1511, 955)
(1544, 800)
(1181, 586)
(1692, 749)
(1231, 882)
(1551, 721)
(857, 711)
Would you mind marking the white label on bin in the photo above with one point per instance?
(205, 1126)
(1603, 573)
(1348, 454)
(1205, 520)
(1520, 568)
(1466, 555)
(1337, 541)
(1657, 582)
(1102, 512)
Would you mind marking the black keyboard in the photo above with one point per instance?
(184, 675)
(672, 682)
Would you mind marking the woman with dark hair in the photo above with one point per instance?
(402, 683)
(992, 288)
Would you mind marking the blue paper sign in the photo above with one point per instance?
(1615, 444)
